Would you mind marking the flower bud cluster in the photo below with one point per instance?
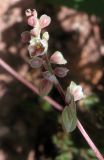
(38, 48)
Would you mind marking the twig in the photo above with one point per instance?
(53, 103)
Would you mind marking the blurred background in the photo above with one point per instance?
(30, 128)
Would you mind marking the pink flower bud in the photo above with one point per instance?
(58, 58)
(49, 76)
(45, 87)
(25, 36)
(61, 71)
(75, 91)
(44, 21)
(32, 21)
(36, 62)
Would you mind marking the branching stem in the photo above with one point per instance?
(53, 103)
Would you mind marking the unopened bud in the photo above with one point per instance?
(58, 58)
(49, 76)
(61, 71)
(36, 62)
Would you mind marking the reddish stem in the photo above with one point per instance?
(53, 103)
(89, 141)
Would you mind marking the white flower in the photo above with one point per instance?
(75, 90)
(37, 47)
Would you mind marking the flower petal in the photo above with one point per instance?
(45, 36)
(78, 94)
(32, 21)
(35, 32)
(44, 21)
(74, 90)
(58, 58)
(72, 86)
(31, 49)
(37, 47)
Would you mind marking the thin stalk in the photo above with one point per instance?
(53, 103)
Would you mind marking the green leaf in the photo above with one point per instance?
(69, 118)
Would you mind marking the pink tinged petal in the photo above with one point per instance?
(32, 21)
(61, 71)
(76, 91)
(58, 58)
(25, 36)
(45, 87)
(79, 96)
(35, 32)
(36, 62)
(44, 21)
(49, 76)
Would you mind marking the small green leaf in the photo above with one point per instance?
(69, 118)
